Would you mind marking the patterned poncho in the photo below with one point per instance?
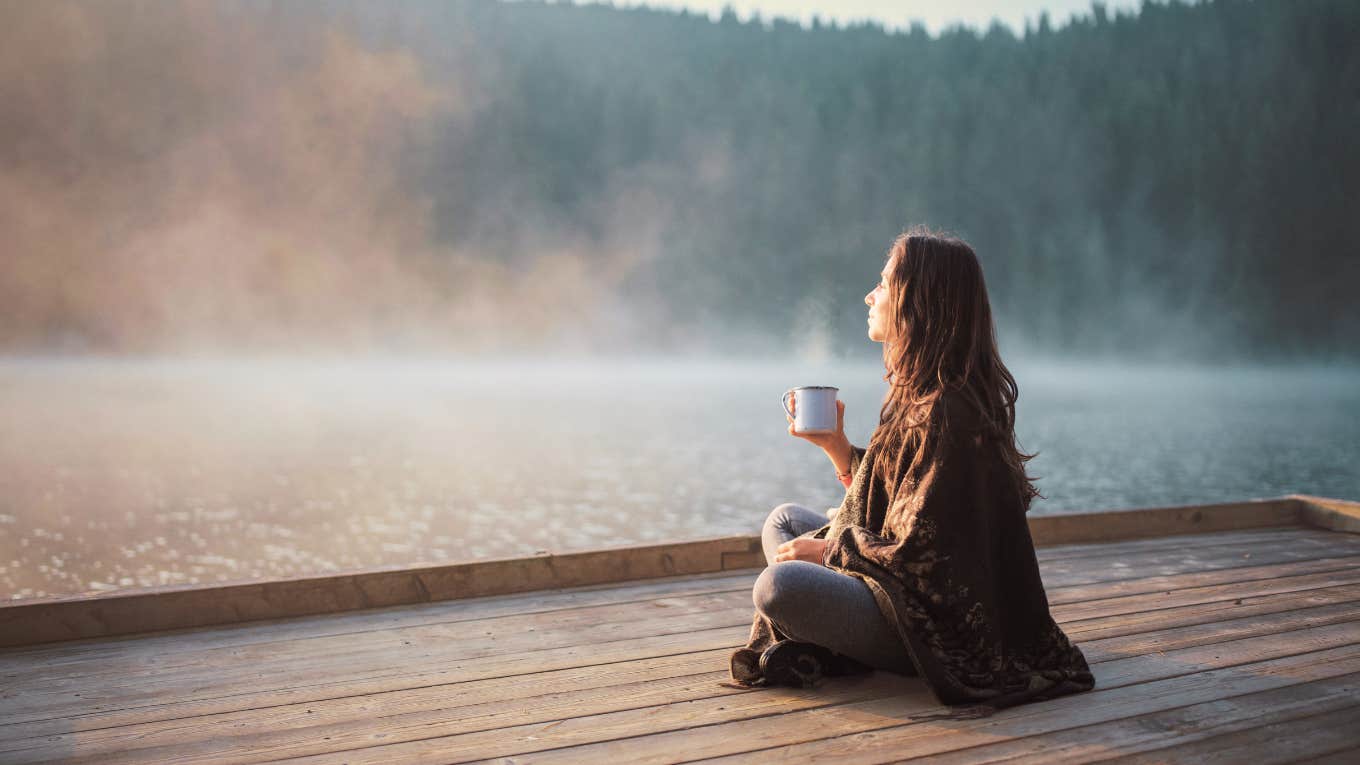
(949, 560)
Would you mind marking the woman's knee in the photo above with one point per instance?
(792, 518)
(780, 515)
(781, 589)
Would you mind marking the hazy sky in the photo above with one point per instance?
(898, 14)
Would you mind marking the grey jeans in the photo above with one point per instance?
(815, 604)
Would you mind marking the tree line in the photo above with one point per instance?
(1174, 181)
(1180, 179)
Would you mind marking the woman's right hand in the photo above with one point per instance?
(828, 441)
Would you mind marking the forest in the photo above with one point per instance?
(1175, 182)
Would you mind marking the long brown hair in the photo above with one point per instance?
(941, 340)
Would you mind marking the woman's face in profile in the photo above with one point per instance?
(877, 300)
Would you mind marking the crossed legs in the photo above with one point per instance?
(814, 604)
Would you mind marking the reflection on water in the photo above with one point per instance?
(128, 474)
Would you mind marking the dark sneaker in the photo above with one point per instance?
(746, 667)
(801, 665)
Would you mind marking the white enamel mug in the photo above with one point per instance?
(814, 408)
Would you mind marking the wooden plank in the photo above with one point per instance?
(1171, 727)
(161, 646)
(472, 638)
(700, 729)
(1328, 513)
(351, 655)
(1063, 573)
(250, 674)
(1245, 606)
(226, 716)
(348, 648)
(879, 732)
(1148, 603)
(1058, 595)
(1197, 658)
(49, 657)
(279, 726)
(533, 602)
(1269, 534)
(1158, 554)
(234, 674)
(1306, 546)
(283, 729)
(478, 729)
(1140, 643)
(538, 601)
(1277, 742)
(41, 620)
(372, 620)
(1163, 521)
(236, 692)
(1348, 756)
(230, 692)
(1069, 713)
(747, 613)
(156, 661)
(182, 708)
(1095, 627)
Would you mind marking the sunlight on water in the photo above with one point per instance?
(133, 474)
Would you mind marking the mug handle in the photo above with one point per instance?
(784, 400)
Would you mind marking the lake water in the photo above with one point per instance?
(129, 474)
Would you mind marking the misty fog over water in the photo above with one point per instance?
(123, 474)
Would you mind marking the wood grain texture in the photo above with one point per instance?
(459, 639)
(1168, 728)
(1196, 642)
(1117, 525)
(554, 687)
(41, 620)
(1268, 742)
(1100, 618)
(703, 730)
(897, 733)
(1328, 513)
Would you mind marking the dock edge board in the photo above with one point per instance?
(45, 620)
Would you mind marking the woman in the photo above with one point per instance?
(927, 567)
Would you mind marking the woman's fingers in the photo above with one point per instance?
(786, 551)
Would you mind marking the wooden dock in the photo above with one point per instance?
(1225, 633)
